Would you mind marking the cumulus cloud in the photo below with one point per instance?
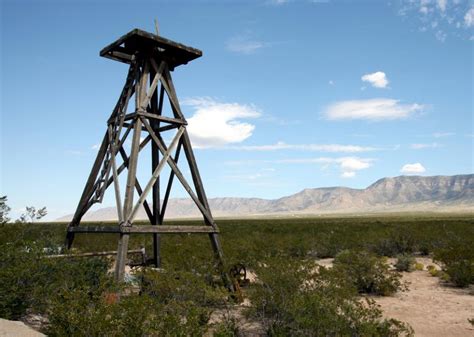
(216, 124)
(377, 79)
(375, 109)
(412, 168)
(305, 147)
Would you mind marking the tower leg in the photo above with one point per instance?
(156, 107)
(88, 189)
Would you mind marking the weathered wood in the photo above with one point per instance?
(131, 177)
(156, 107)
(138, 187)
(143, 229)
(170, 229)
(139, 39)
(156, 173)
(162, 118)
(107, 253)
(152, 89)
(124, 165)
(88, 189)
(170, 183)
(118, 199)
(179, 175)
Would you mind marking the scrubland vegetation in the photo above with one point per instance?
(292, 296)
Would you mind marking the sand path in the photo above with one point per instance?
(431, 308)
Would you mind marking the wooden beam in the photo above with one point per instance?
(169, 229)
(153, 85)
(132, 172)
(178, 173)
(156, 173)
(106, 253)
(156, 107)
(118, 198)
(162, 118)
(143, 229)
(170, 183)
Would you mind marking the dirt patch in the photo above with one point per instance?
(432, 308)
(16, 329)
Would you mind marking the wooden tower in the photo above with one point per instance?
(151, 59)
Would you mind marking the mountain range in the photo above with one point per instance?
(398, 194)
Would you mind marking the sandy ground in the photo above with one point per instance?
(430, 307)
(16, 329)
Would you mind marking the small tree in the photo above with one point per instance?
(32, 214)
(4, 210)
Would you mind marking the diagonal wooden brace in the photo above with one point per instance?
(156, 173)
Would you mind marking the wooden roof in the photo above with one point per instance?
(138, 40)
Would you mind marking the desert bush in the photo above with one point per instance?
(457, 259)
(295, 298)
(369, 273)
(405, 262)
(419, 266)
(397, 241)
(182, 286)
(29, 280)
(228, 327)
(76, 313)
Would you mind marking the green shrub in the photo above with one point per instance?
(397, 241)
(295, 298)
(168, 286)
(369, 273)
(228, 327)
(405, 262)
(76, 313)
(457, 259)
(419, 266)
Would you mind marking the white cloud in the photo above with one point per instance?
(348, 174)
(442, 5)
(443, 134)
(216, 124)
(377, 79)
(244, 45)
(440, 35)
(412, 168)
(95, 147)
(347, 165)
(469, 17)
(331, 82)
(277, 2)
(425, 146)
(375, 109)
(305, 147)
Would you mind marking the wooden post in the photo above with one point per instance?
(156, 107)
(132, 171)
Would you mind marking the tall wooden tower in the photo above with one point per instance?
(151, 59)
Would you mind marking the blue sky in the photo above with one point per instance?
(288, 94)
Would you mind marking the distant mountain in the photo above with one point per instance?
(399, 194)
